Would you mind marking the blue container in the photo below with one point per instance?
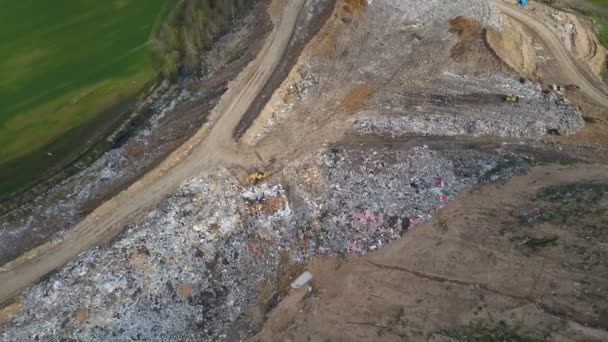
(523, 3)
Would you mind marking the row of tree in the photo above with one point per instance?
(190, 28)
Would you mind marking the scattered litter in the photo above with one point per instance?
(199, 258)
(302, 280)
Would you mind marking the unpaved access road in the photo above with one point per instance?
(570, 67)
(207, 147)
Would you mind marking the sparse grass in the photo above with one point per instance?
(538, 243)
(577, 200)
(356, 98)
(328, 47)
(505, 167)
(601, 19)
(587, 193)
(236, 56)
(604, 73)
(486, 332)
(356, 5)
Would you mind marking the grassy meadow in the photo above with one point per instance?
(62, 63)
(601, 18)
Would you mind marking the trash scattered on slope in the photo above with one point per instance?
(197, 261)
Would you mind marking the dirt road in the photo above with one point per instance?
(208, 147)
(573, 69)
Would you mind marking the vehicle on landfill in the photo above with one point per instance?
(511, 98)
(256, 176)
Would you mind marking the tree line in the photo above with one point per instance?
(191, 28)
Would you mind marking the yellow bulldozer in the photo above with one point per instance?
(256, 176)
(511, 98)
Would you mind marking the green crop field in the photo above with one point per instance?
(601, 18)
(63, 62)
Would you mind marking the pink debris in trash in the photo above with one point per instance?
(445, 198)
(367, 217)
(372, 172)
(439, 182)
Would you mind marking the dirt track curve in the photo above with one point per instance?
(573, 69)
(201, 151)
(216, 146)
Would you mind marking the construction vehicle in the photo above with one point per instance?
(257, 176)
(511, 98)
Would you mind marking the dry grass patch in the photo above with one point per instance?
(9, 310)
(355, 99)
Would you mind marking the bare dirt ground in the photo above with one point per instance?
(521, 261)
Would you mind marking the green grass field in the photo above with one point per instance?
(602, 20)
(62, 62)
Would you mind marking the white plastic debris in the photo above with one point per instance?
(302, 280)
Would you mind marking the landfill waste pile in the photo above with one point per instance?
(365, 129)
(196, 262)
(534, 115)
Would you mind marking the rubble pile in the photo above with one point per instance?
(367, 198)
(535, 114)
(193, 266)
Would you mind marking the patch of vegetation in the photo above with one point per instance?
(587, 193)
(571, 200)
(537, 244)
(236, 56)
(70, 69)
(601, 20)
(62, 63)
(567, 161)
(485, 332)
(604, 73)
(602, 31)
(505, 167)
(190, 29)
(65, 65)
